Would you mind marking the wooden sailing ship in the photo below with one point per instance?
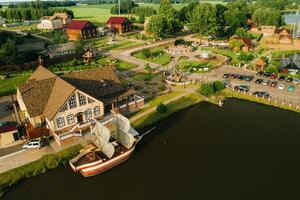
(115, 141)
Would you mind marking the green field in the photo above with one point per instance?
(100, 13)
(161, 57)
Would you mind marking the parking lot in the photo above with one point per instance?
(5, 115)
(287, 96)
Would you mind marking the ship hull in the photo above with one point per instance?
(97, 167)
(102, 167)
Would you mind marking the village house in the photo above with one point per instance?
(63, 106)
(119, 24)
(56, 21)
(66, 19)
(268, 31)
(246, 43)
(283, 36)
(80, 29)
(2, 21)
(59, 50)
(50, 23)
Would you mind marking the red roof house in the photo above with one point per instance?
(119, 24)
(80, 29)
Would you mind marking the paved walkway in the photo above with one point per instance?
(22, 157)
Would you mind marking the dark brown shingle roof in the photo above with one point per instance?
(99, 83)
(43, 93)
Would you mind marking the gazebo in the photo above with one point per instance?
(260, 65)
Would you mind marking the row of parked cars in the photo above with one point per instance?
(246, 88)
(266, 82)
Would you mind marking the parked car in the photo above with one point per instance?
(241, 77)
(274, 76)
(267, 74)
(234, 76)
(259, 81)
(260, 73)
(281, 86)
(9, 107)
(281, 78)
(296, 81)
(34, 144)
(273, 83)
(227, 83)
(266, 82)
(249, 78)
(290, 79)
(242, 88)
(291, 88)
(261, 94)
(226, 76)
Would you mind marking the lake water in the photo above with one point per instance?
(291, 18)
(241, 151)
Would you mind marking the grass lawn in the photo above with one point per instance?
(140, 76)
(224, 52)
(232, 94)
(10, 84)
(279, 54)
(69, 66)
(47, 162)
(190, 65)
(119, 45)
(173, 107)
(97, 14)
(161, 57)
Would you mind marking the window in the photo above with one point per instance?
(72, 101)
(60, 122)
(88, 114)
(64, 108)
(97, 111)
(82, 99)
(90, 100)
(70, 119)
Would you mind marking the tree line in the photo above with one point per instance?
(31, 13)
(217, 20)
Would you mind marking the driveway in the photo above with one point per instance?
(5, 115)
(217, 74)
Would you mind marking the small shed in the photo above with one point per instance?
(8, 134)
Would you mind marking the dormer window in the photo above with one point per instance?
(72, 101)
(82, 99)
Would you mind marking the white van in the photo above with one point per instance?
(34, 144)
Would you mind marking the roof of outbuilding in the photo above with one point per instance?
(8, 128)
(78, 24)
(117, 20)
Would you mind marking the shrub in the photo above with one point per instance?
(162, 108)
(179, 41)
(272, 70)
(146, 53)
(206, 89)
(218, 86)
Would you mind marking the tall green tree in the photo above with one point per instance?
(267, 16)
(203, 19)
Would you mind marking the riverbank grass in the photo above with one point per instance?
(173, 107)
(233, 94)
(47, 162)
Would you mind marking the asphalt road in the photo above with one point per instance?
(5, 115)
